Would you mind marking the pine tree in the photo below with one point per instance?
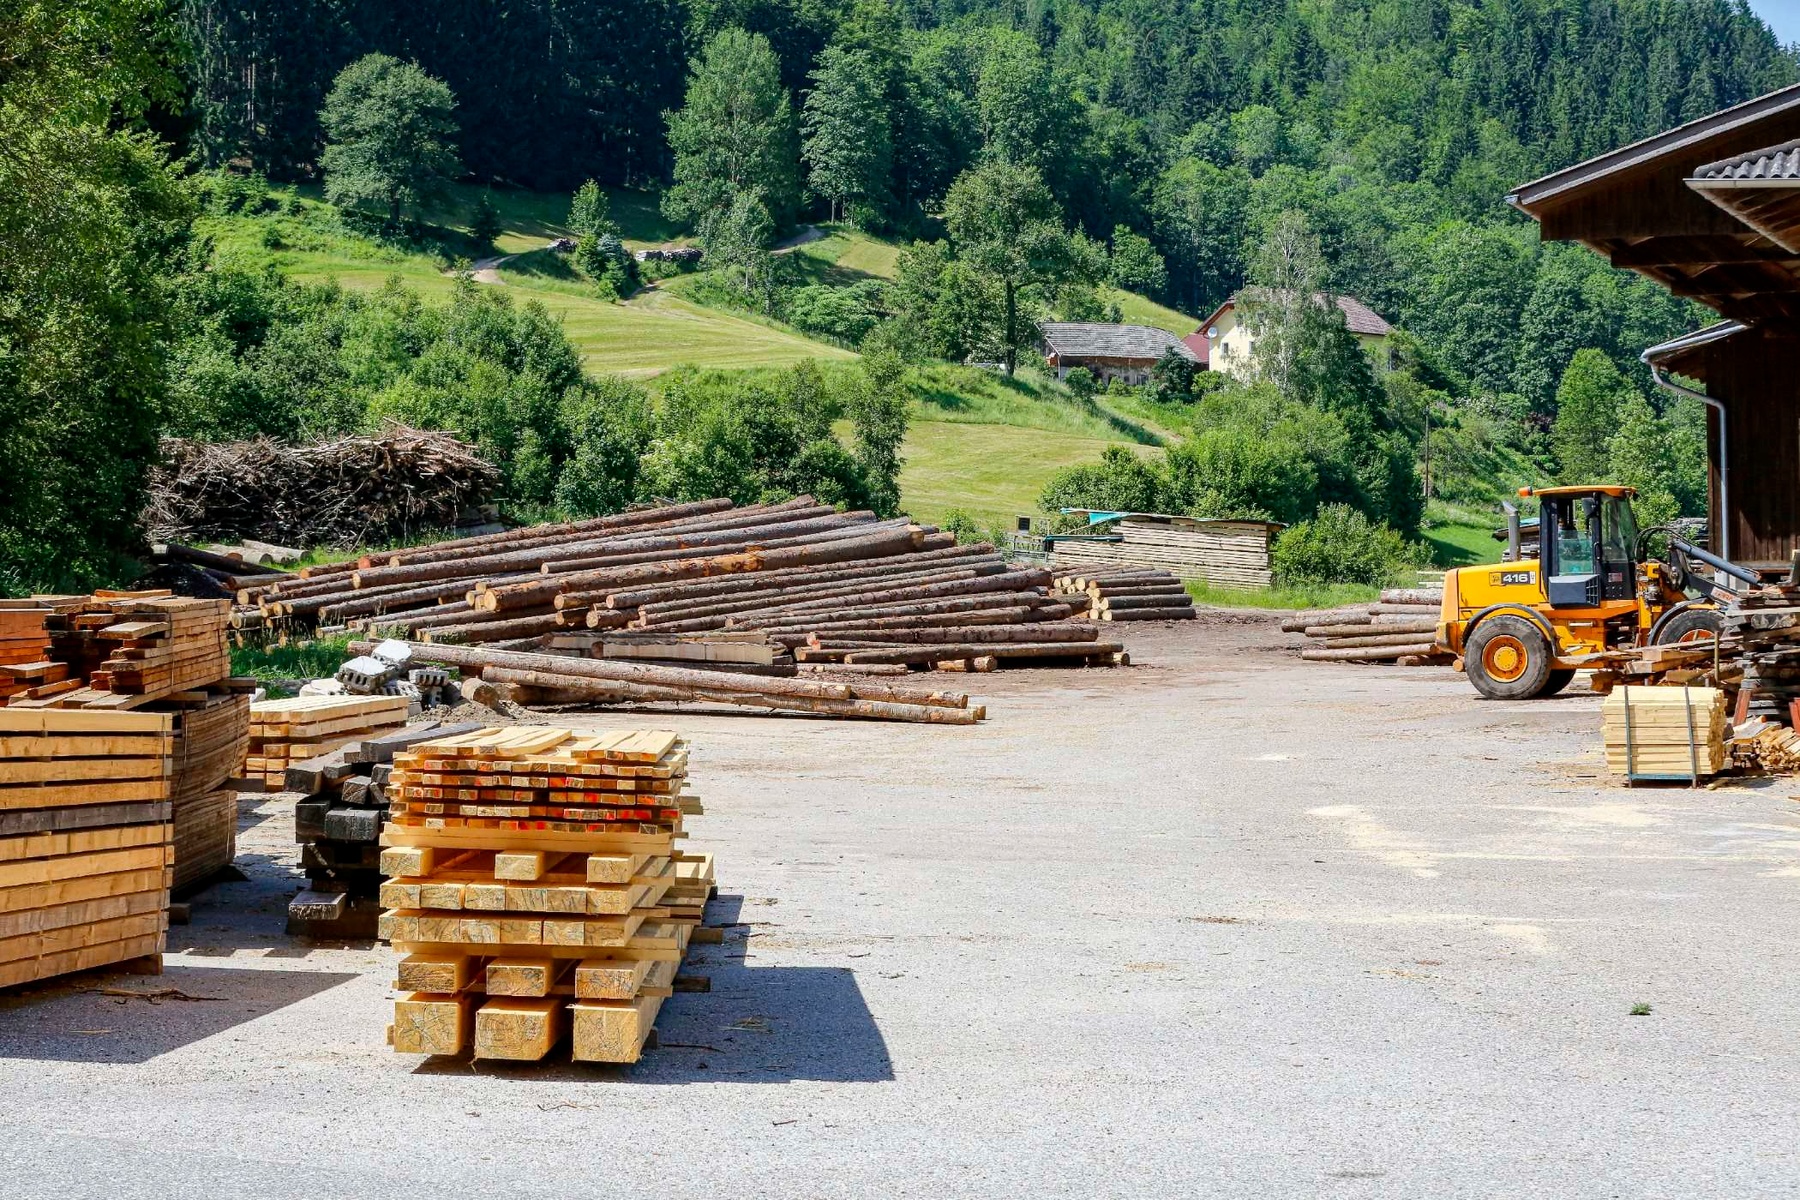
(1588, 402)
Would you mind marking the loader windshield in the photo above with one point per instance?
(1574, 535)
(1618, 530)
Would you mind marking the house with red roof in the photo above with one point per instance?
(1226, 340)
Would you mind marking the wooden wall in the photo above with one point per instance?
(1756, 379)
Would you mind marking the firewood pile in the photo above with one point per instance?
(349, 491)
(1126, 594)
(1401, 627)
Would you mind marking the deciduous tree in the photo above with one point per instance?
(391, 135)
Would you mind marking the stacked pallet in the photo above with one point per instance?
(290, 731)
(210, 739)
(1400, 627)
(27, 671)
(86, 843)
(338, 823)
(1654, 733)
(1126, 594)
(536, 891)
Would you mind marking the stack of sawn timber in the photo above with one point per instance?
(1126, 594)
(86, 843)
(1675, 732)
(133, 648)
(293, 730)
(537, 892)
(338, 823)
(210, 739)
(28, 671)
(1400, 627)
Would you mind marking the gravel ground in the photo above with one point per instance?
(1219, 924)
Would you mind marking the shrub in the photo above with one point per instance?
(966, 528)
(484, 221)
(1341, 545)
(1081, 383)
(840, 314)
(1120, 482)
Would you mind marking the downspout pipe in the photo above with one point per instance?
(1718, 406)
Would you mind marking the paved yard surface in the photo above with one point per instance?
(1222, 924)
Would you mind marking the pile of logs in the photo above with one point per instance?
(346, 492)
(1400, 627)
(1126, 594)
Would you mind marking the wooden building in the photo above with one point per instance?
(1226, 340)
(1122, 352)
(1711, 210)
(1223, 553)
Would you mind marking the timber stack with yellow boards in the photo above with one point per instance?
(536, 888)
(1401, 627)
(86, 841)
(1665, 733)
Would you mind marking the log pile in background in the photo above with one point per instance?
(1400, 627)
(338, 823)
(537, 891)
(1126, 594)
(283, 732)
(85, 841)
(349, 491)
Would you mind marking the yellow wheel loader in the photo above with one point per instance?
(1519, 628)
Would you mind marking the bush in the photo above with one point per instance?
(839, 314)
(484, 221)
(1120, 482)
(966, 528)
(1341, 545)
(1081, 383)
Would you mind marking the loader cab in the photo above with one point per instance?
(1588, 542)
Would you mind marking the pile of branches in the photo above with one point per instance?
(346, 492)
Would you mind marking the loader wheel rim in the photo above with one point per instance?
(1702, 634)
(1505, 658)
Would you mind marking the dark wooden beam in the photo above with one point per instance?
(1699, 252)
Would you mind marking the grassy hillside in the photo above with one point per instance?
(980, 442)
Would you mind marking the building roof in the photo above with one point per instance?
(1196, 341)
(1683, 353)
(1776, 164)
(1098, 339)
(1359, 318)
(1563, 184)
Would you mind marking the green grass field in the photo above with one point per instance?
(991, 472)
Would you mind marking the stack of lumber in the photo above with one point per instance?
(86, 843)
(27, 670)
(1665, 732)
(209, 746)
(1760, 651)
(1223, 553)
(1400, 627)
(338, 823)
(283, 732)
(131, 648)
(536, 891)
(344, 492)
(613, 681)
(1126, 594)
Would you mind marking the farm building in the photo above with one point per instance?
(1222, 553)
(1122, 352)
(1711, 210)
(1226, 340)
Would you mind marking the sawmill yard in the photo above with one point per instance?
(1220, 922)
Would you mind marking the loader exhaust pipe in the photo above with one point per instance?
(1512, 530)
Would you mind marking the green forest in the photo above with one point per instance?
(1079, 159)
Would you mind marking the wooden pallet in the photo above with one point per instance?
(521, 934)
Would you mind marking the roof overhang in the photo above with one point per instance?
(1685, 354)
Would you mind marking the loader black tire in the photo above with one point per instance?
(1689, 625)
(1508, 658)
(1559, 679)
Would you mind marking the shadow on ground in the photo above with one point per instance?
(112, 1017)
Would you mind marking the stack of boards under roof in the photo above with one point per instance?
(86, 842)
(286, 732)
(537, 892)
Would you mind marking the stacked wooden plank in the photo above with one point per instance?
(1126, 594)
(210, 740)
(132, 648)
(537, 892)
(293, 730)
(1222, 553)
(86, 844)
(1400, 627)
(1665, 732)
(27, 669)
(338, 823)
